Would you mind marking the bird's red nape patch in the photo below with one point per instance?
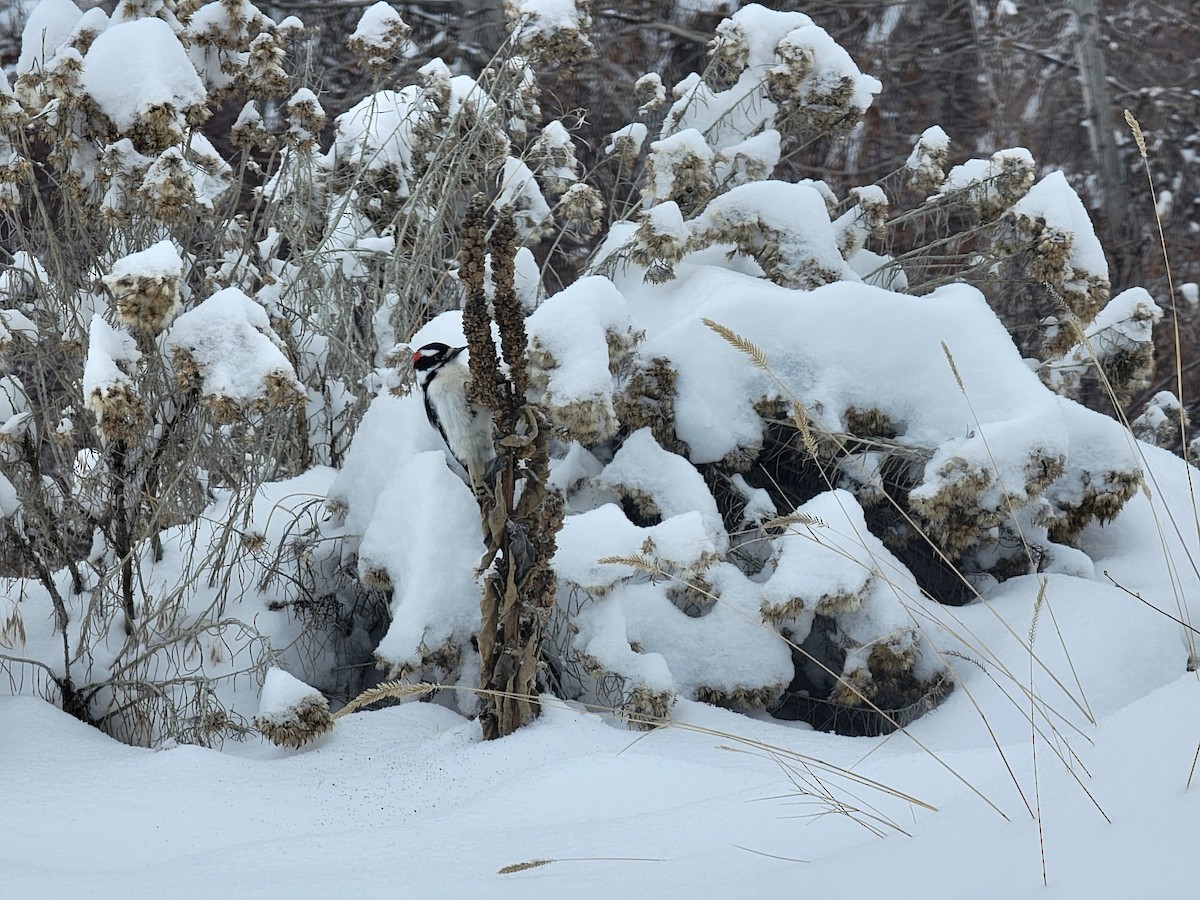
(416, 356)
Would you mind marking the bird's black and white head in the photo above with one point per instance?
(464, 426)
(429, 359)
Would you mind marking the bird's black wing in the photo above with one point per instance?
(433, 419)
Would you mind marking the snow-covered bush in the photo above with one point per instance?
(770, 435)
(773, 411)
(153, 382)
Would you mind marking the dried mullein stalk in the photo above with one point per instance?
(510, 316)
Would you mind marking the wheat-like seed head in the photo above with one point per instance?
(740, 343)
(385, 691)
(636, 561)
(953, 366)
(795, 518)
(1138, 136)
(1037, 611)
(523, 866)
(800, 420)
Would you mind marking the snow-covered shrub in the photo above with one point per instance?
(762, 457)
(771, 410)
(138, 394)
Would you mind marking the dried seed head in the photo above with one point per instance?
(306, 118)
(625, 144)
(582, 209)
(248, 132)
(926, 164)
(303, 722)
(552, 157)
(650, 92)
(560, 39)
(119, 412)
(168, 186)
(1138, 136)
(680, 168)
(264, 75)
(63, 76)
(380, 39)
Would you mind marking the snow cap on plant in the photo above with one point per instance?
(455, 109)
(926, 165)
(1160, 422)
(63, 77)
(660, 241)
(226, 25)
(962, 499)
(1119, 340)
(121, 170)
(648, 401)
(129, 10)
(991, 186)
(552, 32)
(290, 713)
(754, 159)
(225, 348)
(748, 38)
(264, 74)
(306, 118)
(680, 168)
(145, 287)
(626, 144)
(577, 340)
(519, 190)
(108, 387)
(88, 28)
(47, 28)
(582, 209)
(168, 186)
(817, 82)
(248, 131)
(866, 219)
(650, 92)
(1051, 224)
(379, 39)
(140, 77)
(784, 227)
(552, 156)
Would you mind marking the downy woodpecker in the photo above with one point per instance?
(465, 426)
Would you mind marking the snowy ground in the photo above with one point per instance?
(411, 797)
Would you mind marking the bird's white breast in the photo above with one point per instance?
(468, 427)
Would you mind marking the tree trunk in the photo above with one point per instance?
(1098, 114)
